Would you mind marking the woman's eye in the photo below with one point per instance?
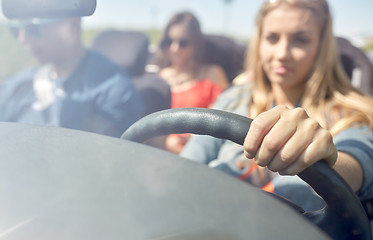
(301, 40)
(272, 38)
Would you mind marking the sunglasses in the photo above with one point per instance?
(33, 28)
(182, 43)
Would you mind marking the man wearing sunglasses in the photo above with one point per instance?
(75, 87)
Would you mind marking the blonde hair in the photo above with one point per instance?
(329, 96)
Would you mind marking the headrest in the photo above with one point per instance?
(356, 64)
(129, 49)
(226, 53)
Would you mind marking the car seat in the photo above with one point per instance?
(356, 64)
(129, 49)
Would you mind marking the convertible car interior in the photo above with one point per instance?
(58, 183)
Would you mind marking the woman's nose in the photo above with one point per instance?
(283, 49)
(174, 47)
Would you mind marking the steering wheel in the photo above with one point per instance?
(343, 216)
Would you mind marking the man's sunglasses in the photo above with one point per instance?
(33, 28)
(182, 43)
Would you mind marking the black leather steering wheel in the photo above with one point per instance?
(342, 218)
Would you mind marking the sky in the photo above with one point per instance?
(352, 18)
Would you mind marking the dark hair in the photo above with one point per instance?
(192, 25)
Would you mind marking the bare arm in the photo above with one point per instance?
(350, 169)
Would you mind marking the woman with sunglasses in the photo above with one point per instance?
(180, 58)
(303, 105)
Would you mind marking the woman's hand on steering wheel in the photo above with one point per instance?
(288, 141)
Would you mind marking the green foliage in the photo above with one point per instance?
(368, 47)
(90, 33)
(154, 35)
(13, 56)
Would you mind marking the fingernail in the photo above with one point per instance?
(249, 155)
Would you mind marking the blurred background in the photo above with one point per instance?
(234, 18)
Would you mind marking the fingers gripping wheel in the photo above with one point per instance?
(342, 218)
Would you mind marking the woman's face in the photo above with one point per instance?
(179, 44)
(288, 45)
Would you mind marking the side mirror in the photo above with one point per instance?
(47, 8)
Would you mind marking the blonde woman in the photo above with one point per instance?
(303, 105)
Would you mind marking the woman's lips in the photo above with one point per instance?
(281, 70)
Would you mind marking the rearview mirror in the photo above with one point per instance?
(47, 8)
